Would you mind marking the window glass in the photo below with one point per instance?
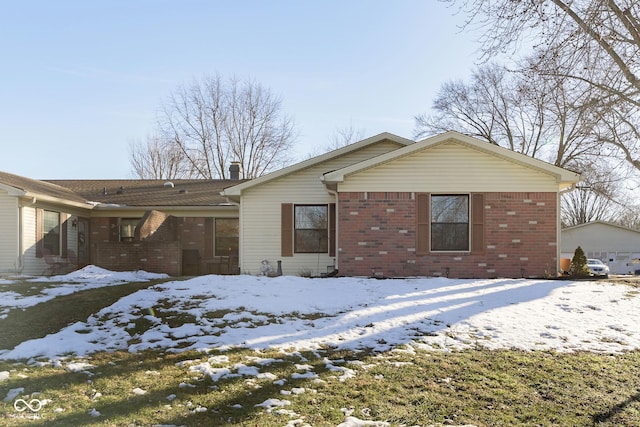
(51, 231)
(311, 234)
(450, 223)
(227, 236)
(128, 229)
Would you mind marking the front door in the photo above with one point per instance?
(83, 242)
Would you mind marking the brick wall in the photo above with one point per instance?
(156, 257)
(156, 226)
(378, 237)
(158, 246)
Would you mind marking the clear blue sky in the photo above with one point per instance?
(80, 80)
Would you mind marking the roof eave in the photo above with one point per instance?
(50, 199)
(236, 190)
(114, 207)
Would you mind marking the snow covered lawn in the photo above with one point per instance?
(294, 314)
(286, 351)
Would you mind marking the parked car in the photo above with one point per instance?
(598, 268)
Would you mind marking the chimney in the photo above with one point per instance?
(234, 171)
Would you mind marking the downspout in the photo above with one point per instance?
(337, 246)
(241, 231)
(20, 265)
(559, 225)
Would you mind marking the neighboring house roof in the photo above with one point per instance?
(124, 192)
(565, 178)
(26, 187)
(150, 192)
(235, 191)
(592, 223)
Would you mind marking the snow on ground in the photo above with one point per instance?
(89, 277)
(293, 314)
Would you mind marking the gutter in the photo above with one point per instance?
(336, 243)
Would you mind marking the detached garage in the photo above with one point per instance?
(615, 245)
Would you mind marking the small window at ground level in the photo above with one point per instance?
(311, 233)
(227, 236)
(450, 222)
(51, 232)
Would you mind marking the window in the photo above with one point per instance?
(51, 232)
(311, 232)
(449, 222)
(227, 236)
(128, 229)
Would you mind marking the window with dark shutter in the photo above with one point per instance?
(450, 222)
(39, 232)
(332, 229)
(227, 237)
(422, 223)
(63, 236)
(477, 224)
(286, 229)
(311, 232)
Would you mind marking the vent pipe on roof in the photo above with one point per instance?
(234, 171)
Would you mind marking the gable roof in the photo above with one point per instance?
(605, 223)
(564, 177)
(150, 192)
(89, 194)
(236, 190)
(20, 186)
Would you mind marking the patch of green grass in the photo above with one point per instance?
(48, 317)
(481, 387)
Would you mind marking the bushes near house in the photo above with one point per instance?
(579, 266)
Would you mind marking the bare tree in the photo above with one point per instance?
(345, 135)
(543, 116)
(341, 137)
(540, 116)
(214, 122)
(596, 42)
(598, 198)
(157, 158)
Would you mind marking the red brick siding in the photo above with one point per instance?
(158, 247)
(157, 257)
(156, 226)
(378, 237)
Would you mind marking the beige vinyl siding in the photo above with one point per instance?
(599, 237)
(261, 208)
(32, 265)
(9, 249)
(450, 167)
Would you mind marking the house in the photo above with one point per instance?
(386, 206)
(615, 245)
(183, 227)
(449, 205)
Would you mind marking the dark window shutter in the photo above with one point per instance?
(286, 229)
(208, 238)
(39, 235)
(477, 223)
(64, 219)
(332, 229)
(423, 222)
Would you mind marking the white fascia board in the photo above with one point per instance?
(57, 200)
(236, 190)
(608, 224)
(12, 191)
(565, 178)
